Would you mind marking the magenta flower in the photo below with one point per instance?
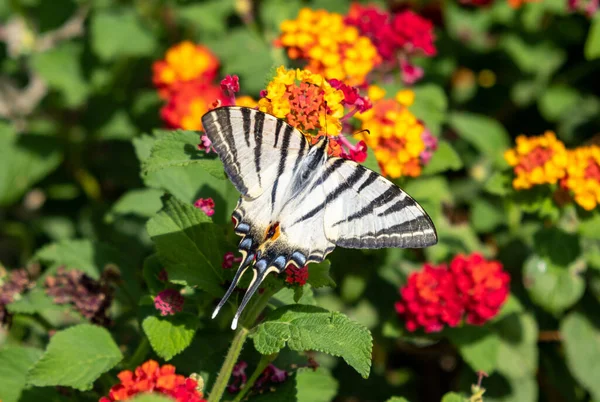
(229, 259)
(169, 302)
(207, 205)
(410, 72)
(239, 377)
(230, 85)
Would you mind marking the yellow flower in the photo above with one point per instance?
(332, 49)
(583, 176)
(395, 134)
(537, 160)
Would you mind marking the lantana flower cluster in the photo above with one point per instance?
(152, 378)
(12, 285)
(270, 375)
(401, 143)
(470, 288)
(185, 80)
(331, 47)
(398, 37)
(544, 159)
(316, 107)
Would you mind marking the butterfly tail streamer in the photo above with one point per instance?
(260, 272)
(238, 275)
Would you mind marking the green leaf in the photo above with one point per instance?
(306, 385)
(582, 350)
(274, 12)
(453, 397)
(592, 43)
(397, 399)
(170, 335)
(83, 254)
(120, 33)
(60, 67)
(189, 244)
(251, 70)
(560, 247)
(318, 275)
(296, 295)
(485, 134)
(75, 358)
(527, 56)
(430, 106)
(24, 160)
(518, 351)
(305, 328)
(478, 346)
(15, 361)
(588, 226)
(500, 183)
(31, 302)
(554, 288)
(315, 385)
(208, 17)
(558, 100)
(486, 216)
(180, 149)
(143, 202)
(444, 158)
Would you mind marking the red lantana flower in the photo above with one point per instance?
(472, 288)
(296, 275)
(152, 378)
(206, 204)
(169, 302)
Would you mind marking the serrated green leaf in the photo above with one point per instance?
(180, 149)
(15, 362)
(75, 358)
(582, 350)
(170, 335)
(60, 67)
(478, 346)
(189, 244)
(119, 33)
(552, 287)
(444, 158)
(518, 351)
(318, 275)
(31, 302)
(485, 134)
(397, 399)
(290, 296)
(592, 43)
(24, 160)
(305, 328)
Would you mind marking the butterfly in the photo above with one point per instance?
(298, 203)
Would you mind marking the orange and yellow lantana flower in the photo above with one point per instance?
(395, 134)
(583, 176)
(537, 160)
(332, 48)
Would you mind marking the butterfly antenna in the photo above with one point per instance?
(238, 275)
(260, 273)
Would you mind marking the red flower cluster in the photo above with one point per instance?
(471, 287)
(296, 275)
(396, 36)
(270, 375)
(169, 302)
(152, 378)
(206, 204)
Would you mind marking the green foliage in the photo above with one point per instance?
(15, 362)
(312, 328)
(75, 357)
(170, 335)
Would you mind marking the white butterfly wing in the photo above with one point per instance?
(365, 210)
(256, 148)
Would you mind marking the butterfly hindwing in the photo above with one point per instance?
(365, 210)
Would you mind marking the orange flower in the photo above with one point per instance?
(583, 176)
(152, 378)
(537, 160)
(187, 105)
(400, 141)
(183, 63)
(332, 48)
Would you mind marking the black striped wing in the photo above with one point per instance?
(250, 143)
(365, 210)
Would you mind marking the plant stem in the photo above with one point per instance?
(265, 360)
(139, 355)
(232, 356)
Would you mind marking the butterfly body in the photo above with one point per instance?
(297, 203)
